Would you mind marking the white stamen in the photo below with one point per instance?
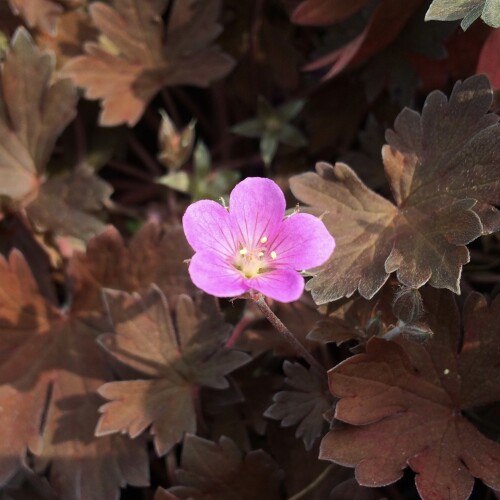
(263, 239)
(243, 251)
(273, 255)
(261, 254)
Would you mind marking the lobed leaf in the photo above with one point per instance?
(50, 369)
(33, 112)
(218, 470)
(153, 255)
(42, 14)
(132, 63)
(356, 319)
(66, 203)
(442, 169)
(51, 366)
(410, 397)
(175, 361)
(304, 405)
(467, 10)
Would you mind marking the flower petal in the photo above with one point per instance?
(257, 206)
(303, 242)
(213, 274)
(207, 226)
(283, 285)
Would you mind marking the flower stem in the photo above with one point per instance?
(288, 335)
(238, 330)
(312, 486)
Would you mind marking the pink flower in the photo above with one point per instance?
(252, 246)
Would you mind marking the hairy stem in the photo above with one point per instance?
(288, 335)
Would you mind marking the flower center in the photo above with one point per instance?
(254, 261)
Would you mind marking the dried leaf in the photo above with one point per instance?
(411, 398)
(441, 167)
(33, 112)
(211, 471)
(324, 12)
(65, 204)
(131, 63)
(175, 361)
(50, 369)
(467, 10)
(303, 405)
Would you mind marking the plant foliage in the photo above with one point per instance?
(127, 130)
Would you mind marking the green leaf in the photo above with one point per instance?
(491, 13)
(292, 136)
(250, 128)
(291, 109)
(202, 160)
(176, 180)
(468, 10)
(268, 147)
(272, 126)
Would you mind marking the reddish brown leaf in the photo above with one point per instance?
(49, 359)
(65, 204)
(442, 169)
(131, 63)
(480, 352)
(40, 13)
(153, 255)
(324, 12)
(34, 330)
(33, 112)
(211, 471)
(489, 59)
(176, 362)
(74, 28)
(357, 319)
(404, 403)
(385, 24)
(304, 404)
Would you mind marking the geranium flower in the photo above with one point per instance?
(252, 245)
